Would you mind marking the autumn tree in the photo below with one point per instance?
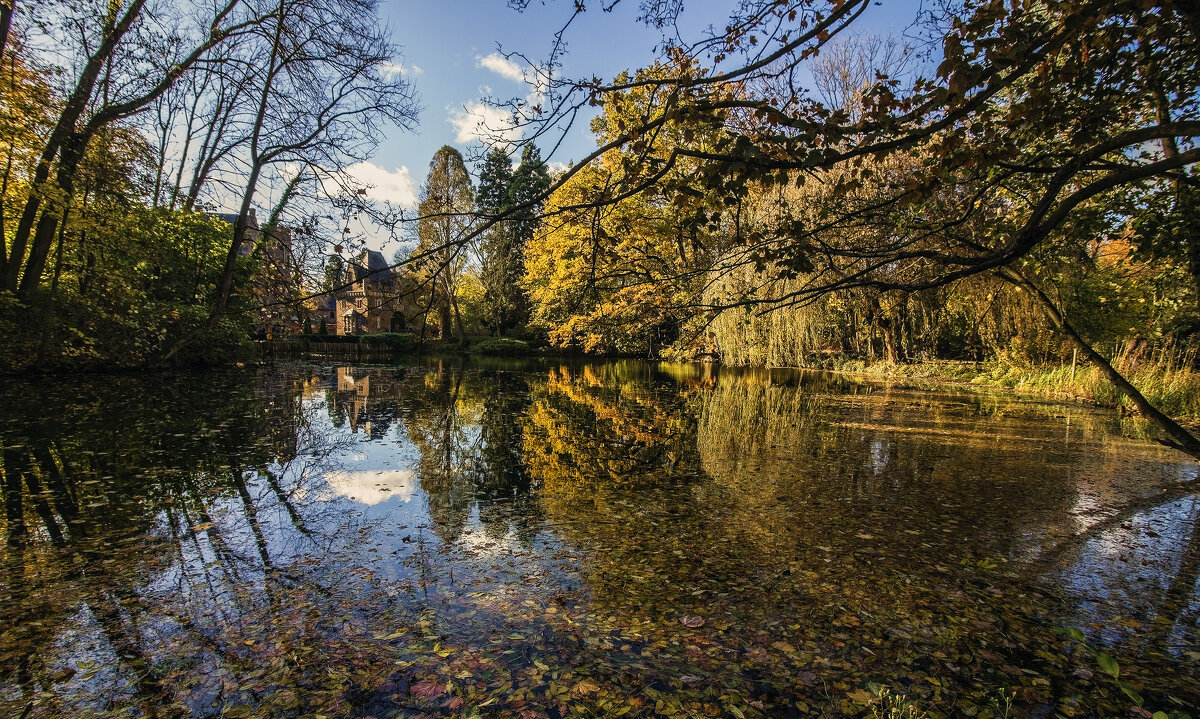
(445, 226)
(624, 239)
(1037, 114)
(125, 64)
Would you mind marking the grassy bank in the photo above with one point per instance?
(1173, 387)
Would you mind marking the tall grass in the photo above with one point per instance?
(1169, 381)
(1171, 386)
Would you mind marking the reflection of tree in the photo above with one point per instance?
(165, 525)
(880, 453)
(441, 419)
(502, 482)
(604, 426)
(873, 516)
(133, 478)
(593, 434)
(466, 423)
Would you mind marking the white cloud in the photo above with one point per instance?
(502, 66)
(395, 186)
(391, 69)
(556, 167)
(477, 121)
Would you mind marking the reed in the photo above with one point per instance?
(1168, 379)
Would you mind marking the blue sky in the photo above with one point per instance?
(450, 52)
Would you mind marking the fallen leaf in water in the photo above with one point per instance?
(692, 622)
(427, 689)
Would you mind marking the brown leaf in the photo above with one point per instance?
(427, 689)
(692, 622)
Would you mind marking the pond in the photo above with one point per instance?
(546, 538)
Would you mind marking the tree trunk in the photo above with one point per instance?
(890, 340)
(43, 238)
(7, 7)
(48, 320)
(444, 318)
(1177, 437)
(65, 127)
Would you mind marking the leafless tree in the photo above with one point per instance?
(316, 93)
(128, 57)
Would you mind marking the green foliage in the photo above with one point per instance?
(137, 281)
(500, 346)
(894, 706)
(335, 274)
(502, 259)
(399, 341)
(1109, 666)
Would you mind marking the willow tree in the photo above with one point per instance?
(1035, 116)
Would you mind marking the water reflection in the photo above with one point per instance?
(539, 537)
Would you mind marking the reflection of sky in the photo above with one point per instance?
(373, 486)
(1129, 566)
(352, 518)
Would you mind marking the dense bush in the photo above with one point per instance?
(400, 341)
(500, 346)
(335, 339)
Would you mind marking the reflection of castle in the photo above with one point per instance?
(374, 418)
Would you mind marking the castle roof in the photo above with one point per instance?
(372, 265)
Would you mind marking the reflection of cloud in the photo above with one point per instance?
(373, 487)
(557, 168)
(502, 66)
(395, 186)
(477, 121)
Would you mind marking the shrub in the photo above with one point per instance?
(500, 346)
(338, 339)
(399, 341)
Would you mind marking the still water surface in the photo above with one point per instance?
(536, 539)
